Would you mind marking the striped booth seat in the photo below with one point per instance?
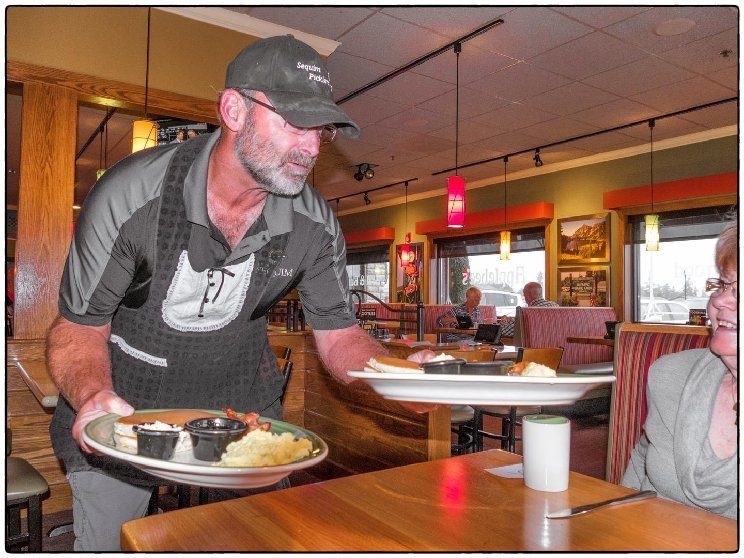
(637, 346)
(545, 327)
(431, 314)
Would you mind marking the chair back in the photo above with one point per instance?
(637, 346)
(280, 351)
(285, 366)
(480, 355)
(550, 357)
(541, 326)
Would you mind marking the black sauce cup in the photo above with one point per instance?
(160, 444)
(210, 436)
(444, 366)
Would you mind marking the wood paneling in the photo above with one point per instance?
(115, 93)
(45, 204)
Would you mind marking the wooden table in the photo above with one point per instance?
(443, 505)
(592, 341)
(38, 380)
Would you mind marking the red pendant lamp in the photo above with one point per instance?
(456, 184)
(406, 254)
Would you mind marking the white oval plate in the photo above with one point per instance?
(184, 468)
(461, 389)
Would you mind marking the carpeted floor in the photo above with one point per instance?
(588, 456)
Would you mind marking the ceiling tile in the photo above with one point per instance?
(600, 16)
(704, 56)
(685, 94)
(728, 77)
(715, 117)
(665, 128)
(638, 76)
(366, 109)
(514, 117)
(450, 22)
(402, 41)
(571, 58)
(487, 170)
(351, 150)
(383, 136)
(526, 32)
(472, 103)
(509, 142)
(616, 113)
(410, 88)
(558, 129)
(470, 131)
(474, 64)
(394, 157)
(570, 98)
(423, 143)
(519, 82)
(352, 72)
(418, 120)
(605, 142)
(562, 153)
(327, 21)
(641, 29)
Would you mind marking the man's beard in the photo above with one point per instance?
(272, 171)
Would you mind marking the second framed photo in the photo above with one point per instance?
(584, 286)
(584, 239)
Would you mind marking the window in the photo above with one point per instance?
(369, 270)
(474, 261)
(669, 283)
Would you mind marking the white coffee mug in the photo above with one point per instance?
(546, 444)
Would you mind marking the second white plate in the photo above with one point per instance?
(454, 389)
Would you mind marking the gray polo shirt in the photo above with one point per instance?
(113, 249)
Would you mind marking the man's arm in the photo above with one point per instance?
(78, 360)
(350, 349)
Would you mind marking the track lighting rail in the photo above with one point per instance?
(366, 193)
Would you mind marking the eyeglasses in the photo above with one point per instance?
(717, 286)
(326, 134)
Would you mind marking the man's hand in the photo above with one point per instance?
(413, 406)
(102, 403)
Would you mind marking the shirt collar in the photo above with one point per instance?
(278, 211)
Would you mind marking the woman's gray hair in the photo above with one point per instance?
(727, 249)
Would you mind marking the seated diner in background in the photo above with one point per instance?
(688, 449)
(468, 308)
(533, 296)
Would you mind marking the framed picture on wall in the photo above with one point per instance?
(584, 286)
(408, 280)
(584, 239)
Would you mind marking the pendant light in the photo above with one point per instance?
(103, 150)
(145, 132)
(652, 219)
(456, 184)
(406, 255)
(505, 244)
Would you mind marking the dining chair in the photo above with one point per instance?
(510, 414)
(280, 351)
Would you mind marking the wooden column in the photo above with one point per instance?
(47, 178)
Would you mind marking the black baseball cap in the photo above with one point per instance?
(294, 78)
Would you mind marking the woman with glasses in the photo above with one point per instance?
(688, 451)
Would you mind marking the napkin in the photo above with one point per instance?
(514, 471)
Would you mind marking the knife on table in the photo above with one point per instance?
(570, 512)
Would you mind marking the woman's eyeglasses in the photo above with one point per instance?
(326, 134)
(717, 286)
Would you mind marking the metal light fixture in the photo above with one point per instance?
(364, 170)
(145, 132)
(367, 201)
(537, 158)
(505, 244)
(406, 254)
(456, 184)
(652, 219)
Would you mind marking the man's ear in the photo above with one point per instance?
(233, 111)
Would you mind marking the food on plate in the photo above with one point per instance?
(125, 438)
(259, 448)
(251, 419)
(532, 369)
(441, 357)
(392, 365)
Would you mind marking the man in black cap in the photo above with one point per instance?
(179, 252)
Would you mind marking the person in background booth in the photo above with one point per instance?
(191, 134)
(688, 450)
(468, 308)
(533, 296)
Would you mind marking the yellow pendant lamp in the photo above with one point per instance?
(145, 132)
(652, 219)
(505, 244)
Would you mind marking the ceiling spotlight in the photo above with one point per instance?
(359, 175)
(364, 170)
(367, 201)
(369, 173)
(537, 159)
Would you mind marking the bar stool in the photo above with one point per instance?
(462, 421)
(25, 486)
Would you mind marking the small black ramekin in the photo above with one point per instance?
(444, 366)
(210, 436)
(160, 444)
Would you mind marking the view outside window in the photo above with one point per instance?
(369, 270)
(475, 262)
(671, 282)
